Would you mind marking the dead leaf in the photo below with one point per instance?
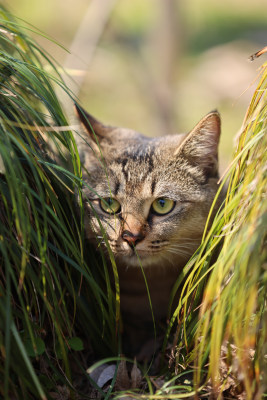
(136, 376)
(122, 380)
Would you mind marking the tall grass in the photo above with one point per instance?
(225, 340)
(48, 293)
(233, 311)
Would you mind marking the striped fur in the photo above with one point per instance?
(136, 170)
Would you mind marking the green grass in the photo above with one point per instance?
(56, 303)
(48, 293)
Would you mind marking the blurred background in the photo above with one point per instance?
(157, 66)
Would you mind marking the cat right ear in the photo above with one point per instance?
(96, 130)
(200, 146)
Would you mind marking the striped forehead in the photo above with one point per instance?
(136, 163)
(133, 172)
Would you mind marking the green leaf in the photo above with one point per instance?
(76, 344)
(35, 348)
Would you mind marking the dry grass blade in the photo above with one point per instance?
(233, 311)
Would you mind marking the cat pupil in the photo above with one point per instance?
(161, 202)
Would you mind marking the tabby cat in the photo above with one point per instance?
(152, 197)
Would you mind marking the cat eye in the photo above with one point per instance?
(110, 205)
(162, 206)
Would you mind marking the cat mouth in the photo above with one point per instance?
(136, 252)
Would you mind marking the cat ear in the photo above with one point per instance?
(92, 126)
(200, 146)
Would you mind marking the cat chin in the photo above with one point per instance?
(144, 261)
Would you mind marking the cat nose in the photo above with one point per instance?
(132, 238)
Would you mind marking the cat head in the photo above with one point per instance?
(148, 196)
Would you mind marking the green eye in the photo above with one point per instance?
(110, 205)
(162, 206)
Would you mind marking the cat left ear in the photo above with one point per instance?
(200, 146)
(91, 125)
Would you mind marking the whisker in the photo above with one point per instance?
(186, 248)
(189, 240)
(179, 252)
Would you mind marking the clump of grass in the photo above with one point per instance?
(51, 301)
(233, 311)
(226, 340)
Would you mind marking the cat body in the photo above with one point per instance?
(152, 197)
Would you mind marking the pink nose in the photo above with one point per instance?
(132, 238)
